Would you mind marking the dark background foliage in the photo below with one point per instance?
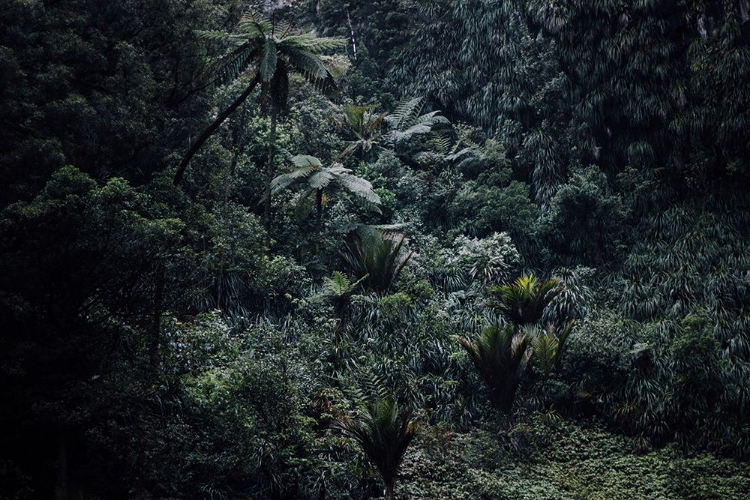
(162, 341)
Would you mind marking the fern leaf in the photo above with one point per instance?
(269, 60)
(305, 161)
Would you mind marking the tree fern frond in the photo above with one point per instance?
(283, 181)
(305, 161)
(281, 29)
(252, 26)
(221, 37)
(459, 155)
(432, 118)
(307, 64)
(227, 68)
(267, 67)
(405, 111)
(320, 179)
(338, 283)
(310, 43)
(359, 187)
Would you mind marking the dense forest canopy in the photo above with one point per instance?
(335, 249)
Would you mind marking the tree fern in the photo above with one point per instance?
(319, 178)
(271, 50)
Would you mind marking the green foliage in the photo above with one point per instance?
(92, 235)
(379, 256)
(384, 433)
(548, 346)
(144, 324)
(272, 51)
(407, 121)
(318, 179)
(584, 221)
(554, 459)
(365, 126)
(104, 89)
(500, 356)
(474, 260)
(525, 299)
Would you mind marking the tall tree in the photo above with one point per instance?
(271, 50)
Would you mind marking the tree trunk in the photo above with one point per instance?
(319, 211)
(62, 490)
(156, 319)
(389, 493)
(270, 169)
(212, 128)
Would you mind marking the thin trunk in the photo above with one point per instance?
(61, 492)
(270, 169)
(389, 493)
(156, 325)
(220, 281)
(212, 128)
(225, 222)
(351, 29)
(319, 213)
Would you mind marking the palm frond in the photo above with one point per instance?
(545, 347)
(562, 340)
(525, 299)
(500, 356)
(384, 433)
(355, 115)
(370, 251)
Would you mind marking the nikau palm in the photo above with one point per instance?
(525, 299)
(378, 254)
(384, 434)
(270, 51)
(500, 356)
